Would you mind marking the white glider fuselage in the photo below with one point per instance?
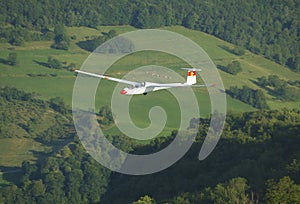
(149, 87)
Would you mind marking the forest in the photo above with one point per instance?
(269, 28)
(256, 161)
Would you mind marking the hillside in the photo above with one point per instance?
(256, 49)
(33, 56)
(41, 155)
(30, 129)
(267, 27)
(257, 160)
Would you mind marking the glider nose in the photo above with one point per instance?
(123, 92)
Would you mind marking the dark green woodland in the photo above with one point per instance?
(257, 159)
(269, 28)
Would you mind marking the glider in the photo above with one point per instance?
(145, 87)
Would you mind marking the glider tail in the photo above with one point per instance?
(191, 76)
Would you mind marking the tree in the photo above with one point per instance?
(12, 59)
(232, 192)
(54, 63)
(61, 39)
(58, 105)
(190, 20)
(260, 100)
(145, 200)
(71, 66)
(273, 32)
(38, 188)
(106, 114)
(238, 50)
(295, 64)
(288, 93)
(142, 18)
(263, 81)
(17, 41)
(284, 191)
(276, 82)
(234, 67)
(256, 98)
(112, 33)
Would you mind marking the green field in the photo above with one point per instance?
(32, 55)
(13, 151)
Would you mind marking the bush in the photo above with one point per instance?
(12, 59)
(234, 67)
(17, 41)
(61, 38)
(54, 63)
(106, 114)
(238, 50)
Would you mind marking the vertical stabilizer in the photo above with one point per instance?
(191, 77)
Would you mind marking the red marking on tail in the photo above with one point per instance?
(191, 73)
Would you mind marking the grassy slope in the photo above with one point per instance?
(33, 54)
(14, 150)
(253, 65)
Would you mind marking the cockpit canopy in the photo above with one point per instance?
(138, 85)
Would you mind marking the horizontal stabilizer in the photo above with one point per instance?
(204, 85)
(192, 69)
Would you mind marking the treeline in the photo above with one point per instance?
(71, 176)
(255, 98)
(281, 89)
(267, 27)
(256, 161)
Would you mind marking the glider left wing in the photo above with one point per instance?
(109, 78)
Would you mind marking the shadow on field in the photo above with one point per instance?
(88, 45)
(44, 64)
(13, 175)
(269, 90)
(227, 49)
(221, 67)
(3, 61)
(10, 174)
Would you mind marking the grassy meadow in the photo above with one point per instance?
(32, 55)
(59, 83)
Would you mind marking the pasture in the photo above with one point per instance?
(31, 74)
